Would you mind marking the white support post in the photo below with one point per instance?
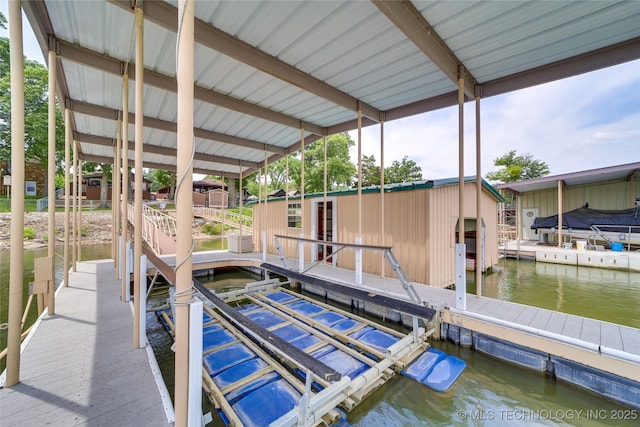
(127, 272)
(194, 405)
(461, 277)
(301, 254)
(120, 259)
(264, 244)
(359, 262)
(142, 313)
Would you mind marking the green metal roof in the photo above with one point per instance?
(402, 186)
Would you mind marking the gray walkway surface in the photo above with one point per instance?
(80, 367)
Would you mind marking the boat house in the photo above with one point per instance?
(420, 223)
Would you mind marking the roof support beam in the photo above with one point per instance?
(163, 151)
(114, 66)
(410, 21)
(151, 122)
(166, 15)
(152, 165)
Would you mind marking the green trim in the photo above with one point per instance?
(390, 188)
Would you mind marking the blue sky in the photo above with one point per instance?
(583, 122)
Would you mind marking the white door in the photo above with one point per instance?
(528, 215)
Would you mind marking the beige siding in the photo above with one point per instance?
(611, 195)
(419, 225)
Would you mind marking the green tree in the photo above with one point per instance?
(340, 170)
(35, 109)
(403, 171)
(517, 168)
(370, 171)
(163, 179)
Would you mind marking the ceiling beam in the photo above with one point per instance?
(163, 151)
(410, 21)
(103, 62)
(166, 15)
(151, 122)
(152, 165)
(591, 61)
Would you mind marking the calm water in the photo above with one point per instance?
(609, 295)
(489, 392)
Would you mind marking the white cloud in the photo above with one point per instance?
(555, 122)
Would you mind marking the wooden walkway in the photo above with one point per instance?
(619, 338)
(80, 368)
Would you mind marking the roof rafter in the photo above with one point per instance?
(163, 151)
(154, 123)
(166, 15)
(90, 58)
(152, 165)
(410, 21)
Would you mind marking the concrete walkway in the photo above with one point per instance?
(79, 367)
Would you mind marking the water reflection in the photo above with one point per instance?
(598, 293)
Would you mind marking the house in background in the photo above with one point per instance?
(420, 224)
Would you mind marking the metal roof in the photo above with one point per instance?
(627, 171)
(264, 68)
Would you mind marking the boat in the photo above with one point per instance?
(612, 227)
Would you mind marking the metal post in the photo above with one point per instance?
(184, 209)
(115, 196)
(324, 206)
(461, 277)
(142, 298)
(137, 240)
(79, 211)
(67, 190)
(124, 187)
(382, 232)
(51, 179)
(479, 235)
(16, 271)
(241, 208)
(74, 247)
(461, 155)
(265, 216)
(359, 236)
(302, 179)
(560, 220)
(194, 410)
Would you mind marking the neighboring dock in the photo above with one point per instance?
(79, 367)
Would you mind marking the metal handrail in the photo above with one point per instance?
(233, 219)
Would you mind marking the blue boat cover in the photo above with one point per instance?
(360, 332)
(215, 338)
(239, 393)
(290, 332)
(305, 308)
(267, 403)
(281, 297)
(306, 341)
(227, 357)
(322, 351)
(422, 366)
(344, 363)
(238, 372)
(345, 325)
(378, 339)
(445, 373)
(247, 307)
(330, 318)
(265, 318)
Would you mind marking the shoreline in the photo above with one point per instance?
(96, 229)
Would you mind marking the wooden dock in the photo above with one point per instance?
(79, 366)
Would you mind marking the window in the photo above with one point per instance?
(294, 215)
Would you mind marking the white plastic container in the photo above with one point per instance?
(581, 245)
